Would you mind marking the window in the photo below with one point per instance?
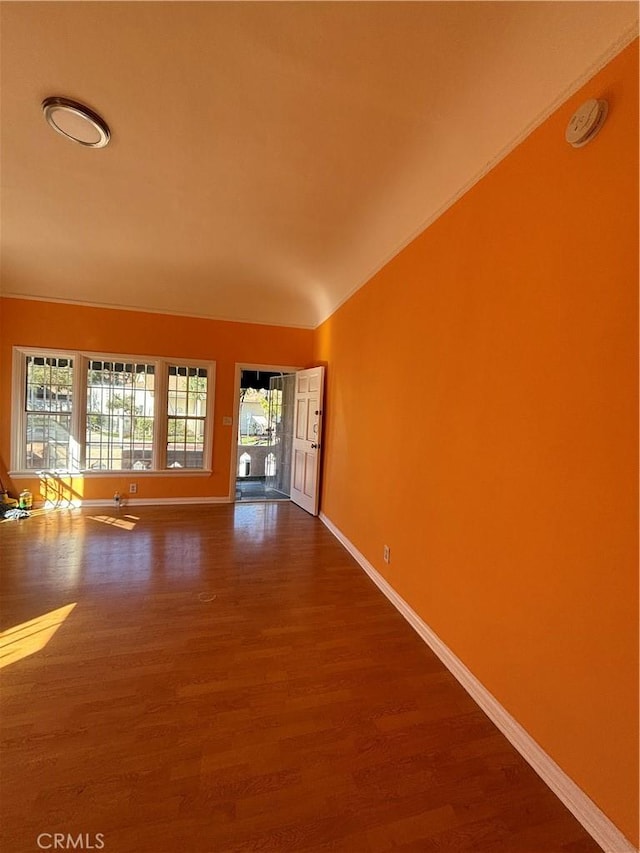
(186, 413)
(98, 412)
(47, 407)
(120, 415)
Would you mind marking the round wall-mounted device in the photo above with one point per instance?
(586, 122)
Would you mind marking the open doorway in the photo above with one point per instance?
(264, 423)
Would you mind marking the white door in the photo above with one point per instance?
(307, 435)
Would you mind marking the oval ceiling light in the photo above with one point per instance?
(76, 122)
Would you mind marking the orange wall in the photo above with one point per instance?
(48, 324)
(481, 420)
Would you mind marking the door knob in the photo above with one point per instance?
(315, 446)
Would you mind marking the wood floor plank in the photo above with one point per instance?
(228, 679)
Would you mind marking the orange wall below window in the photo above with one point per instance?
(56, 325)
(482, 421)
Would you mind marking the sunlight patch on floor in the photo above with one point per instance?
(30, 637)
(125, 522)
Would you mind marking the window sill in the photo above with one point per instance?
(127, 472)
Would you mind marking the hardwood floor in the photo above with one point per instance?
(230, 680)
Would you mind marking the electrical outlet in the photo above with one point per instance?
(386, 554)
(133, 488)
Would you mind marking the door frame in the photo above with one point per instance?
(240, 366)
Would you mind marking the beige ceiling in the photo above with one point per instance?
(266, 158)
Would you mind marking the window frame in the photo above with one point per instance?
(81, 359)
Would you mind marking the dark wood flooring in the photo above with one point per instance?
(230, 680)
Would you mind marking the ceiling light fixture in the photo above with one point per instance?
(76, 122)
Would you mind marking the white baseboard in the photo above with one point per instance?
(77, 503)
(582, 807)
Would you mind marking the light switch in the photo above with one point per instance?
(227, 421)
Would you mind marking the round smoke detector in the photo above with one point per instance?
(586, 122)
